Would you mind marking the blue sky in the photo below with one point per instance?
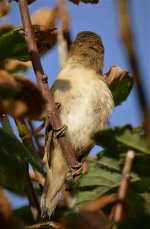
(102, 19)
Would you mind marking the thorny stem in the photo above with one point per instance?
(127, 37)
(42, 80)
(122, 193)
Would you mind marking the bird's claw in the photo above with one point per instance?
(76, 170)
(60, 131)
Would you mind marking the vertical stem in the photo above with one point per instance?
(43, 84)
(35, 207)
(27, 140)
(124, 184)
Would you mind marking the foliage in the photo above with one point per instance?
(98, 186)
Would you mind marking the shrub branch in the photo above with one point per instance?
(42, 80)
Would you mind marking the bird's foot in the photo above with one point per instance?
(76, 171)
(60, 131)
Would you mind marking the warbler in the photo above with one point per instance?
(85, 105)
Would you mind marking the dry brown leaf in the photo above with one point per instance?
(116, 73)
(46, 17)
(4, 9)
(31, 96)
(7, 219)
(44, 21)
(16, 65)
(45, 37)
(5, 206)
(25, 97)
(6, 79)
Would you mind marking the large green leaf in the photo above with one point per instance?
(103, 176)
(122, 138)
(13, 157)
(107, 139)
(134, 140)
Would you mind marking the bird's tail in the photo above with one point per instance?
(56, 174)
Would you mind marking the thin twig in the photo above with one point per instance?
(36, 138)
(38, 129)
(42, 80)
(127, 37)
(23, 131)
(122, 193)
(35, 207)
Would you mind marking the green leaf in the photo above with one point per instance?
(13, 157)
(102, 177)
(133, 140)
(120, 83)
(120, 139)
(120, 91)
(107, 138)
(13, 46)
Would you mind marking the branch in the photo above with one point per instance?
(35, 207)
(122, 193)
(38, 129)
(36, 138)
(42, 80)
(27, 140)
(127, 37)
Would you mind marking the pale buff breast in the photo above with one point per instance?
(86, 103)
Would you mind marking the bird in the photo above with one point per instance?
(85, 102)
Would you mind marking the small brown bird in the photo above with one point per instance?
(86, 103)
